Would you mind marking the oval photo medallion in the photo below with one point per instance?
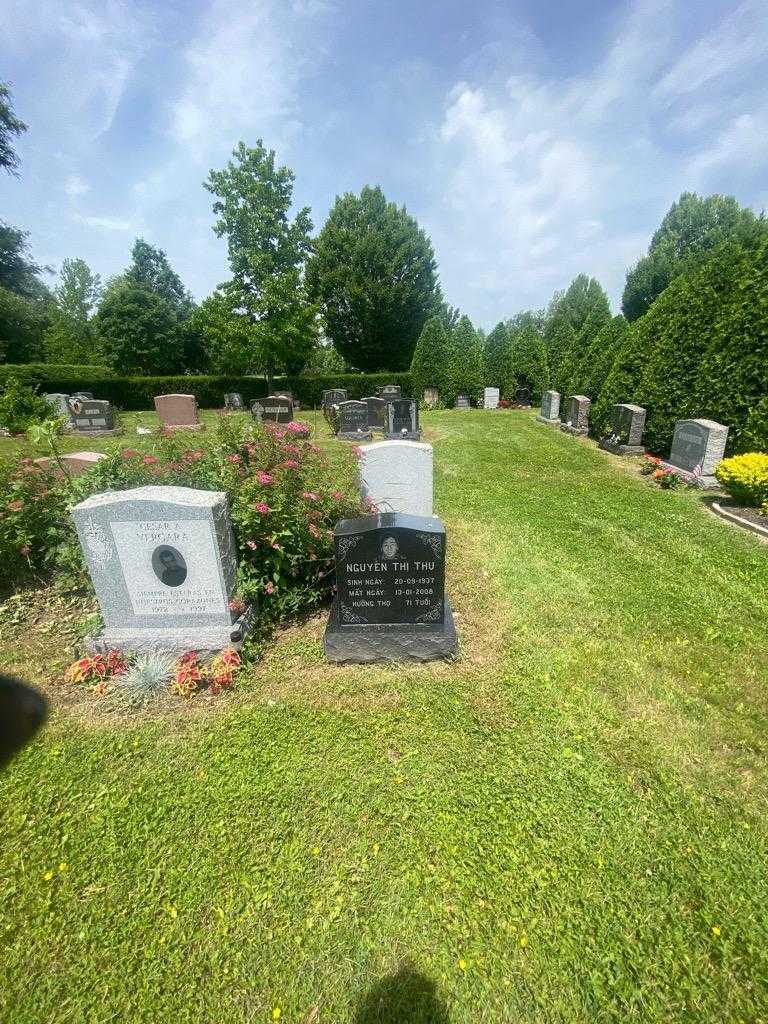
(169, 565)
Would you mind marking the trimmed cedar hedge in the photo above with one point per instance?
(137, 393)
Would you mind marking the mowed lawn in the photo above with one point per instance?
(568, 824)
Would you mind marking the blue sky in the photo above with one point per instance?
(532, 140)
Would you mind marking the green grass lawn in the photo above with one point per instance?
(566, 825)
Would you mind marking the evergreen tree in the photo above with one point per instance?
(592, 371)
(559, 337)
(497, 356)
(429, 366)
(374, 276)
(528, 363)
(466, 370)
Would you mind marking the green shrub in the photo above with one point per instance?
(21, 407)
(745, 478)
(528, 364)
(429, 365)
(466, 367)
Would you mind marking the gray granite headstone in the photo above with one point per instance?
(578, 416)
(550, 408)
(91, 416)
(697, 447)
(353, 421)
(390, 603)
(273, 409)
(334, 396)
(627, 425)
(82, 394)
(233, 401)
(377, 413)
(403, 419)
(431, 396)
(390, 391)
(163, 564)
(397, 476)
(491, 398)
(58, 403)
(462, 401)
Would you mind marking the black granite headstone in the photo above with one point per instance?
(390, 603)
(462, 401)
(377, 413)
(273, 409)
(353, 421)
(403, 419)
(523, 396)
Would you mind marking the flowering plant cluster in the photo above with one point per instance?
(665, 477)
(745, 478)
(218, 674)
(96, 670)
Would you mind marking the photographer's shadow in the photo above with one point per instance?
(405, 997)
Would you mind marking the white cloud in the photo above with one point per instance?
(76, 186)
(106, 223)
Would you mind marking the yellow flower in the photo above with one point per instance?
(523, 940)
(462, 965)
(277, 1013)
(376, 847)
(48, 876)
(716, 930)
(63, 866)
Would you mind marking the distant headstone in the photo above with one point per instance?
(697, 447)
(73, 463)
(58, 403)
(82, 395)
(335, 396)
(178, 412)
(627, 425)
(273, 409)
(403, 419)
(353, 421)
(578, 416)
(91, 416)
(523, 397)
(233, 401)
(390, 603)
(550, 408)
(397, 476)
(491, 398)
(377, 413)
(163, 564)
(390, 391)
(462, 401)
(431, 396)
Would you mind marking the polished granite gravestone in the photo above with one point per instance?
(390, 391)
(403, 419)
(578, 416)
(390, 603)
(523, 397)
(397, 476)
(491, 398)
(697, 447)
(462, 401)
(627, 425)
(334, 396)
(178, 412)
(273, 409)
(233, 401)
(431, 396)
(377, 413)
(550, 409)
(91, 416)
(353, 421)
(163, 564)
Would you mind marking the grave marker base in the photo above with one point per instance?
(203, 639)
(365, 435)
(550, 422)
(705, 482)
(363, 644)
(173, 427)
(575, 431)
(407, 436)
(616, 448)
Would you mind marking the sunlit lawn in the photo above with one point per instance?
(568, 824)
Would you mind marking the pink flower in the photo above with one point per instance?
(290, 464)
(275, 545)
(291, 448)
(234, 458)
(237, 604)
(149, 460)
(358, 451)
(270, 588)
(129, 453)
(309, 496)
(337, 496)
(26, 462)
(262, 508)
(251, 544)
(314, 531)
(264, 478)
(298, 428)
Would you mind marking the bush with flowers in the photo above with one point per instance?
(662, 475)
(745, 478)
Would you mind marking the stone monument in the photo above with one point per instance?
(178, 412)
(523, 397)
(377, 413)
(58, 403)
(491, 398)
(390, 603)
(390, 391)
(397, 476)
(163, 563)
(431, 396)
(335, 396)
(697, 447)
(627, 425)
(578, 416)
(273, 409)
(550, 408)
(233, 401)
(353, 421)
(462, 401)
(403, 419)
(92, 416)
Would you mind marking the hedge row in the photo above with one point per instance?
(136, 393)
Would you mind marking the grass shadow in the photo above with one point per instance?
(404, 997)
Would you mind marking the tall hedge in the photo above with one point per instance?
(137, 393)
(429, 366)
(592, 370)
(466, 365)
(528, 364)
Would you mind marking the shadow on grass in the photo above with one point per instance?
(405, 997)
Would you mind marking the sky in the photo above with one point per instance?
(532, 140)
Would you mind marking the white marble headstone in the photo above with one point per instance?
(491, 398)
(397, 476)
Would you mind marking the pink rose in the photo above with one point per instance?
(270, 588)
(149, 460)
